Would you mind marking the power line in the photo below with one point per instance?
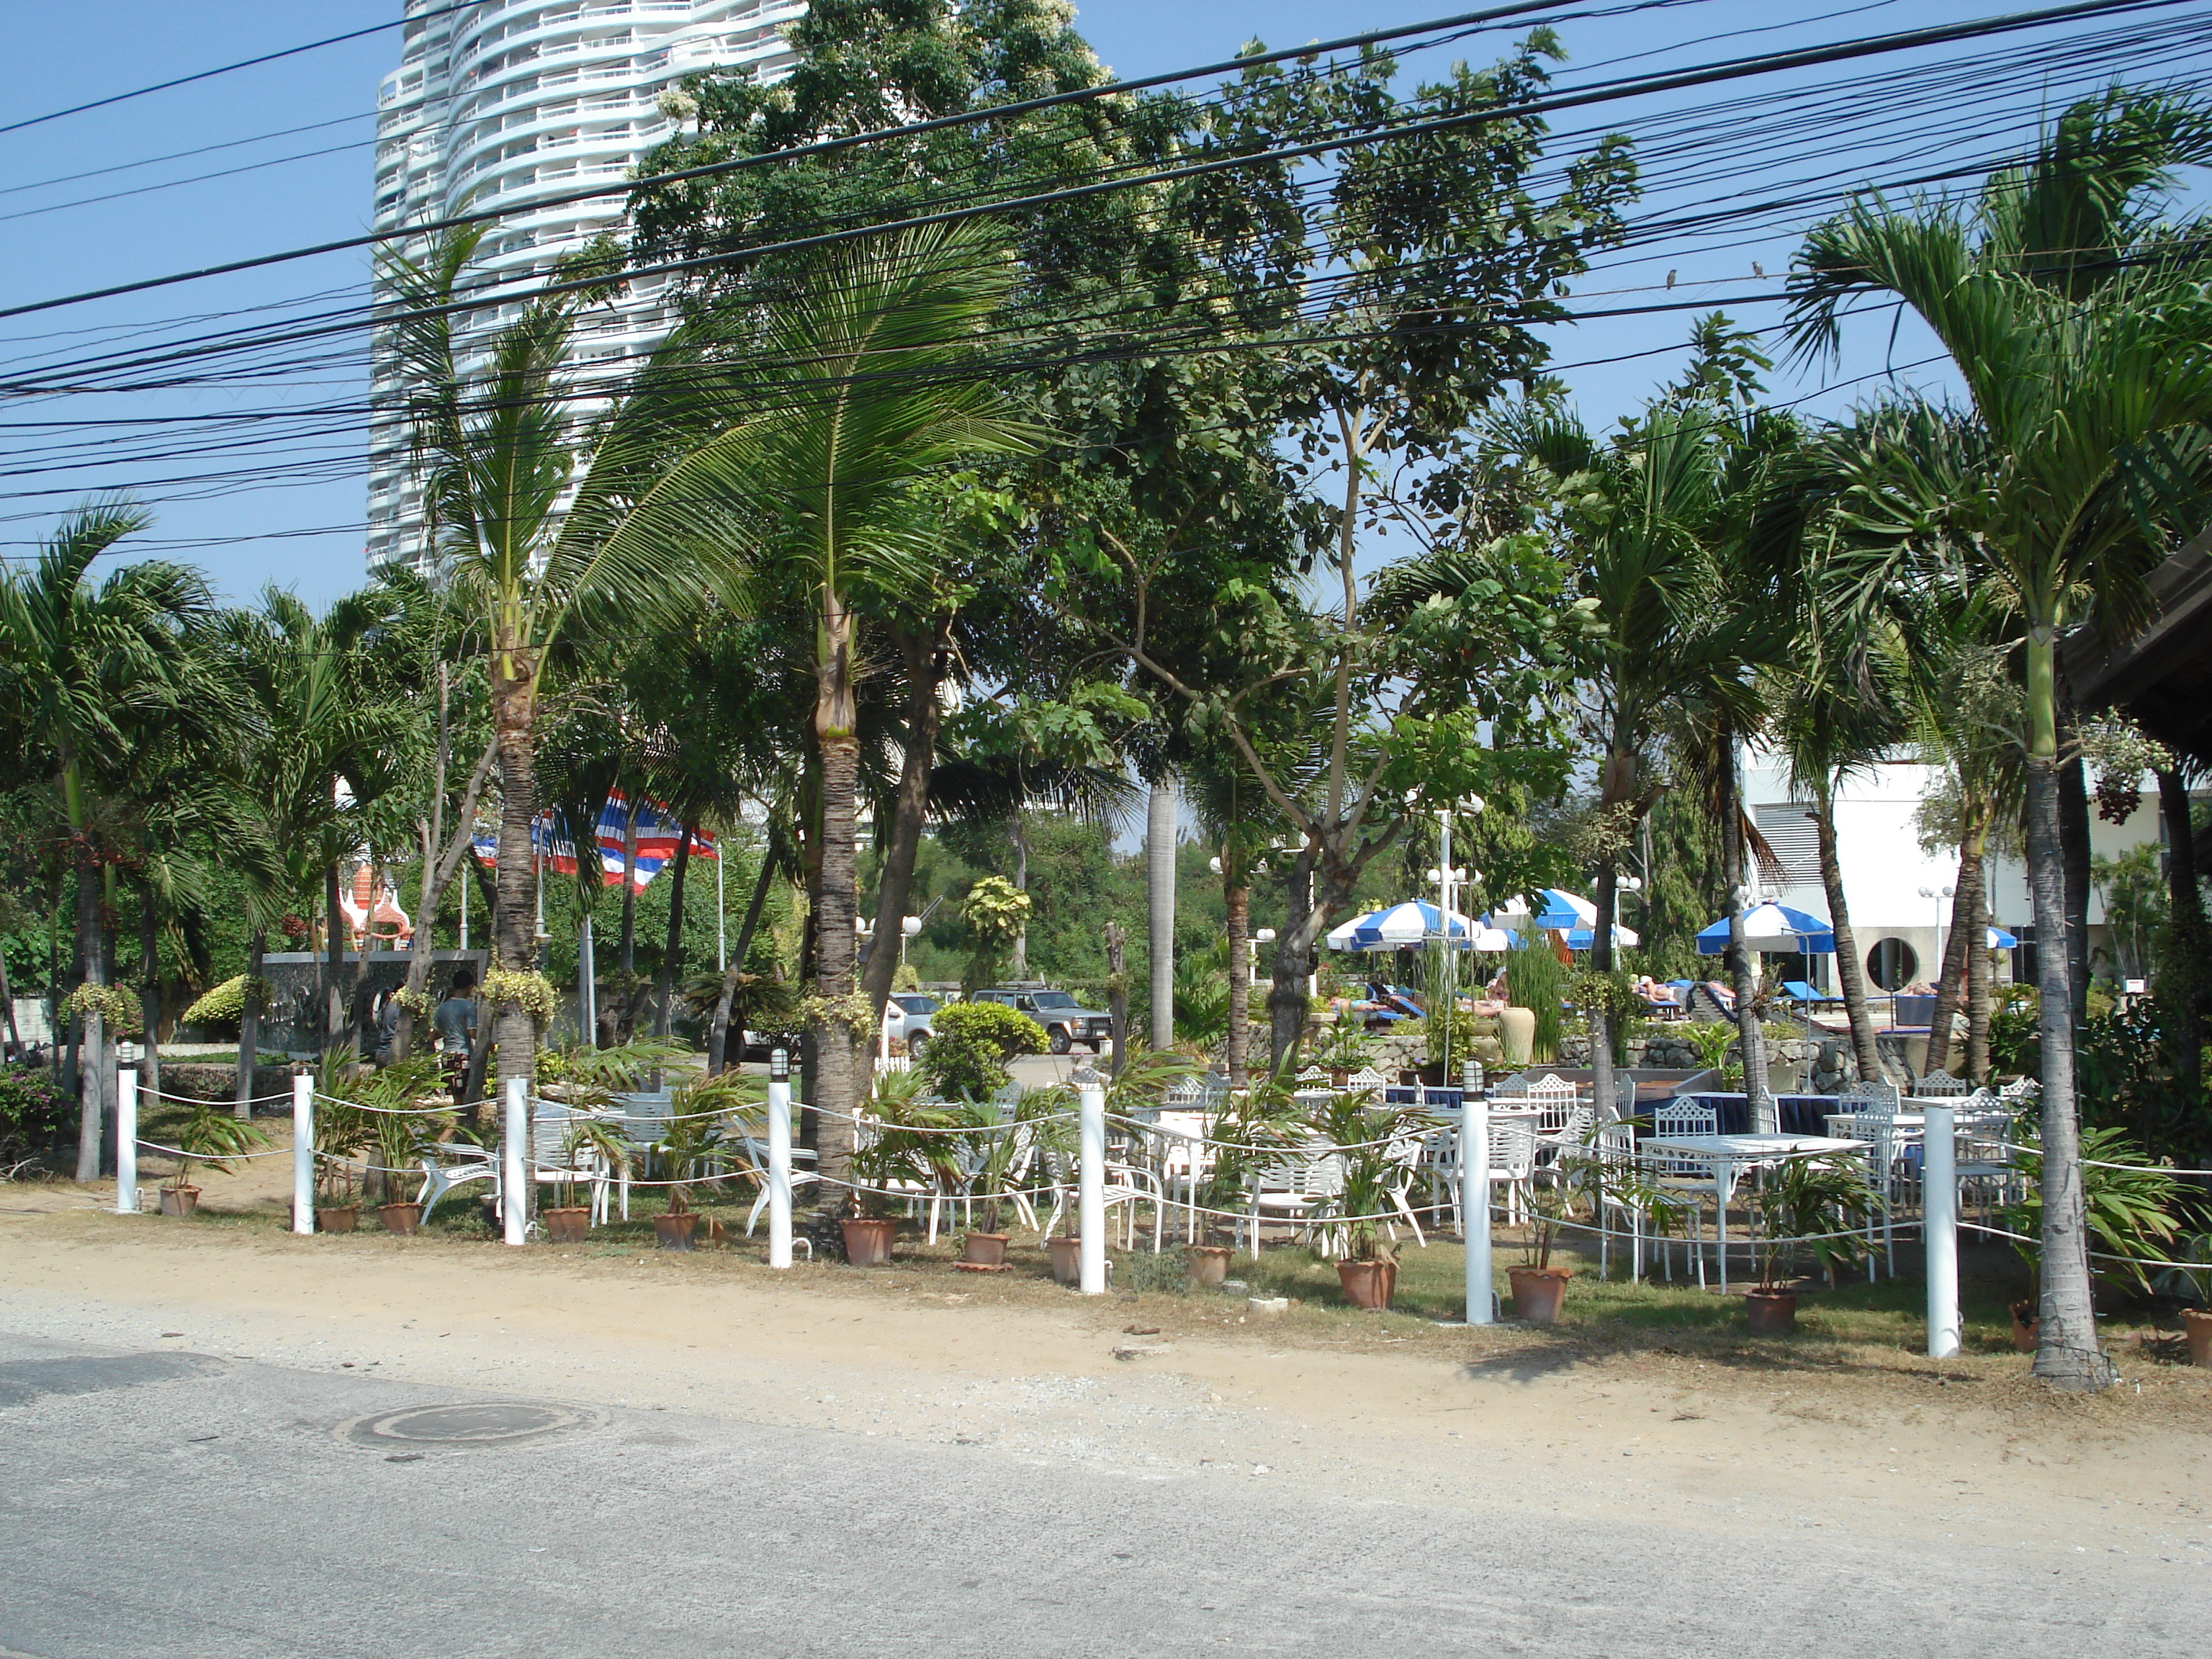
(231, 69)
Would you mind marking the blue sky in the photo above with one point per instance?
(246, 533)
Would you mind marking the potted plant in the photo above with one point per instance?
(2189, 1284)
(2127, 1204)
(688, 1143)
(1820, 1205)
(1369, 1139)
(1206, 1265)
(1343, 1051)
(399, 1139)
(211, 1137)
(341, 1130)
(566, 1221)
(1540, 1289)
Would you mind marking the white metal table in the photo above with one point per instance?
(1728, 1155)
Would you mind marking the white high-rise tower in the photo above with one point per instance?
(506, 102)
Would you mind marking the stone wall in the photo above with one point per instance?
(206, 1080)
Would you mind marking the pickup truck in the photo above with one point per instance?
(1065, 1021)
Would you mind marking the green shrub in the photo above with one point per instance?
(1535, 979)
(33, 1112)
(970, 1043)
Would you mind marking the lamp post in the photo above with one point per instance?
(1264, 936)
(1937, 896)
(779, 1157)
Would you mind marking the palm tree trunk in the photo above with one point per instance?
(1160, 824)
(92, 1067)
(1751, 1034)
(1951, 977)
(249, 1022)
(718, 1041)
(150, 990)
(836, 1043)
(1851, 971)
(1237, 897)
(1978, 985)
(924, 712)
(334, 960)
(2066, 1354)
(515, 946)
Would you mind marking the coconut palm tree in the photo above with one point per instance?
(806, 503)
(2076, 322)
(81, 664)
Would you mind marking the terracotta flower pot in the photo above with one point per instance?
(1771, 1313)
(567, 1223)
(1067, 1256)
(1368, 1285)
(674, 1232)
(2198, 1322)
(984, 1249)
(2026, 1326)
(1207, 1264)
(868, 1241)
(1539, 1292)
(180, 1200)
(339, 1219)
(405, 1219)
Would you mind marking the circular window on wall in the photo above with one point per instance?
(1893, 964)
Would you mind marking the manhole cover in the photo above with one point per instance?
(485, 1423)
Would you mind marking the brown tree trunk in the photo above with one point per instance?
(2073, 854)
(1317, 897)
(718, 1040)
(440, 865)
(910, 815)
(836, 1043)
(249, 1022)
(2183, 975)
(1751, 1034)
(510, 1025)
(92, 1066)
(664, 1018)
(1237, 898)
(1851, 971)
(2066, 1354)
(1978, 985)
(1951, 977)
(1117, 990)
(333, 961)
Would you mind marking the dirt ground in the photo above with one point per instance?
(1734, 1435)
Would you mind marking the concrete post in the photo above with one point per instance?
(303, 1154)
(1939, 1209)
(126, 1142)
(779, 1163)
(1091, 1182)
(513, 1164)
(1474, 1203)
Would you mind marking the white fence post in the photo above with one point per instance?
(514, 1168)
(126, 1142)
(1091, 1182)
(1474, 1203)
(303, 1153)
(779, 1158)
(1939, 1210)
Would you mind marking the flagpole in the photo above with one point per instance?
(464, 905)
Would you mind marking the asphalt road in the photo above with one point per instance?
(186, 1504)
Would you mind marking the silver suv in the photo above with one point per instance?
(1065, 1021)
(907, 1016)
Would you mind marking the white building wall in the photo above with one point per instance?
(1884, 868)
(508, 102)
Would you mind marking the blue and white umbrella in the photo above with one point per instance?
(1413, 923)
(1548, 910)
(2001, 940)
(1773, 927)
(1581, 939)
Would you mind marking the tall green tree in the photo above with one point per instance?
(81, 663)
(2074, 317)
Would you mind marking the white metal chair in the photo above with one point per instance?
(1303, 1187)
(1624, 1187)
(1513, 1166)
(1556, 1097)
(1940, 1084)
(1869, 1097)
(1887, 1174)
(1124, 1185)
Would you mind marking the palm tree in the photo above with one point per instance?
(498, 452)
(806, 504)
(81, 664)
(2076, 323)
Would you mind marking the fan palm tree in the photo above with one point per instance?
(806, 503)
(2076, 323)
(81, 665)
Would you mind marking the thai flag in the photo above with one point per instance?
(554, 846)
(658, 835)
